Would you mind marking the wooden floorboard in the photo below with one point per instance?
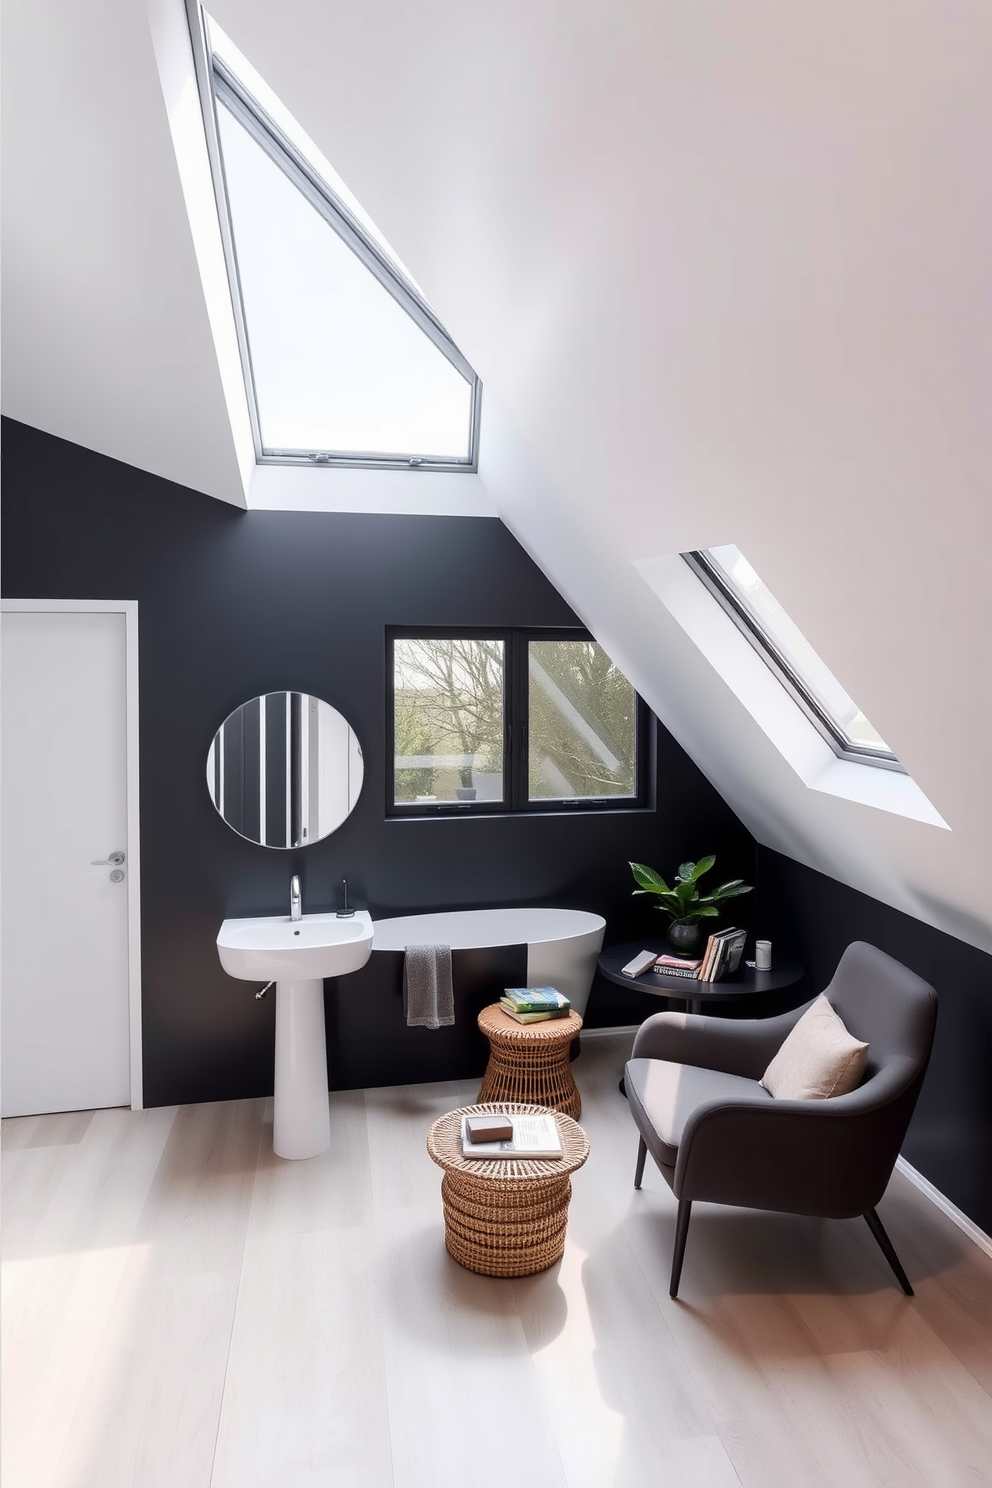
(183, 1308)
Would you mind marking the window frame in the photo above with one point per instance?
(779, 663)
(516, 731)
(219, 87)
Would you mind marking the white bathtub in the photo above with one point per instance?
(562, 944)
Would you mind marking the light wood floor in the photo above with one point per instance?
(184, 1310)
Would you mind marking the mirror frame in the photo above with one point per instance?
(313, 776)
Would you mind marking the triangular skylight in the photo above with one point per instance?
(345, 362)
(782, 645)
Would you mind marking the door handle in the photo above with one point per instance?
(114, 861)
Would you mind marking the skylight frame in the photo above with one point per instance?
(778, 662)
(219, 87)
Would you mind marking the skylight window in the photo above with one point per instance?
(784, 648)
(344, 360)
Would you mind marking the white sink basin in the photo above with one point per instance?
(297, 955)
(276, 948)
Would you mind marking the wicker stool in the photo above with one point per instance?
(529, 1061)
(505, 1216)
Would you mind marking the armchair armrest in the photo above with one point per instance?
(743, 1046)
(831, 1158)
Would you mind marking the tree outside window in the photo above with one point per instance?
(582, 723)
(448, 702)
(512, 720)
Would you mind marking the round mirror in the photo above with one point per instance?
(285, 770)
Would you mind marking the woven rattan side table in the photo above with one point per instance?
(529, 1061)
(505, 1216)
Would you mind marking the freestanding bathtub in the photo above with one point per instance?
(562, 944)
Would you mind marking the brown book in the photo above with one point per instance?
(489, 1128)
(719, 962)
(708, 969)
(533, 1136)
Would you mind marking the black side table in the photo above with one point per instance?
(746, 982)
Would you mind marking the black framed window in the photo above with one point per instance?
(510, 720)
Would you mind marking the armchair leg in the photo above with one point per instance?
(681, 1231)
(886, 1247)
(642, 1152)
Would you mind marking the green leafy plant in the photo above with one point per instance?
(683, 900)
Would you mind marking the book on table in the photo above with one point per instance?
(536, 999)
(534, 1004)
(677, 966)
(723, 954)
(487, 1128)
(640, 963)
(734, 948)
(550, 1017)
(711, 956)
(533, 1136)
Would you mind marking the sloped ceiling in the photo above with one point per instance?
(105, 337)
(724, 271)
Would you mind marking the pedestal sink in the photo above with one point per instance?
(297, 955)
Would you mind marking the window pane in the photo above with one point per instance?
(583, 723)
(797, 651)
(448, 720)
(338, 364)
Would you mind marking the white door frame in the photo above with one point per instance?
(129, 609)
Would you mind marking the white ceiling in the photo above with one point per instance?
(723, 269)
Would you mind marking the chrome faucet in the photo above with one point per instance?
(295, 903)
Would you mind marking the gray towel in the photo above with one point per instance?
(428, 1000)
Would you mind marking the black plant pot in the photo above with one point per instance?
(686, 940)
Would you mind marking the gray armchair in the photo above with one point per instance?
(715, 1134)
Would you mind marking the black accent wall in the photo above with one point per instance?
(233, 604)
(950, 1138)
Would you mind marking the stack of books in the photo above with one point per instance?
(678, 966)
(723, 954)
(721, 958)
(534, 1004)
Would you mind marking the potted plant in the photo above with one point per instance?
(684, 901)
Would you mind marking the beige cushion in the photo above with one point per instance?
(818, 1059)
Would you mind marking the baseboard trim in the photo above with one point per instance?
(588, 1033)
(966, 1225)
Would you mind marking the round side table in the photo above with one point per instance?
(505, 1216)
(695, 996)
(529, 1061)
(745, 983)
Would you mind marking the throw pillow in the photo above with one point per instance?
(818, 1059)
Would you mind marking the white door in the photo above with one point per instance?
(65, 1025)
